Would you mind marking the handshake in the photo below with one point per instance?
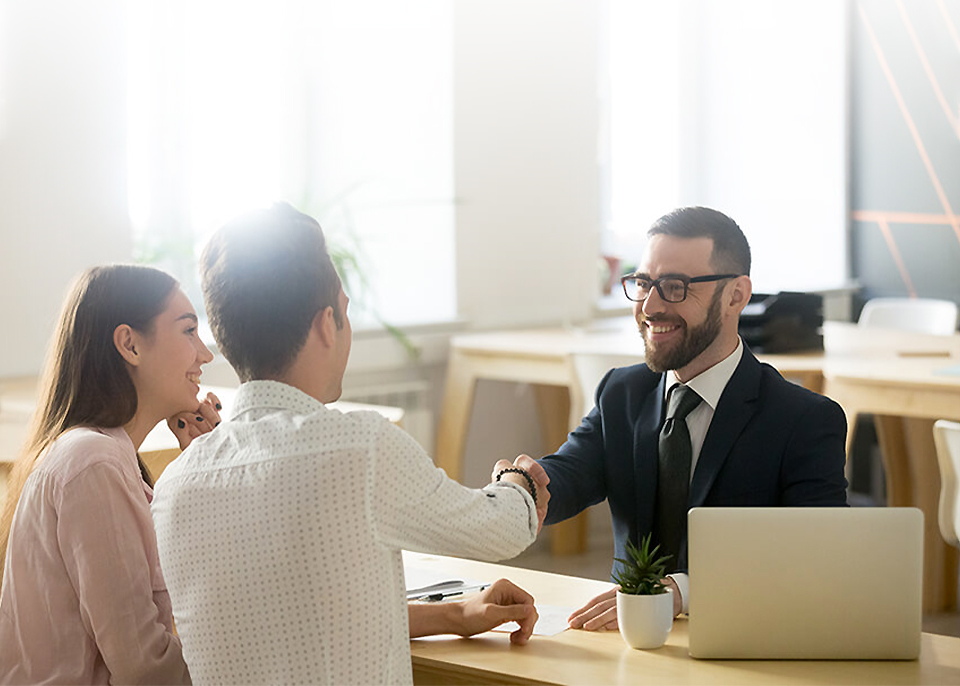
(529, 475)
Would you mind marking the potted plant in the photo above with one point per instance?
(644, 603)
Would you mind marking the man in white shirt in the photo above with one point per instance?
(280, 532)
(702, 422)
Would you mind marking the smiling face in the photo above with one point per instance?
(693, 335)
(167, 374)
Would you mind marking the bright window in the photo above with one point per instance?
(344, 109)
(740, 105)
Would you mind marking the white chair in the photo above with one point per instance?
(946, 435)
(589, 368)
(919, 315)
(911, 315)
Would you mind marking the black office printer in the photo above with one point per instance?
(783, 322)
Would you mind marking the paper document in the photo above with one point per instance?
(427, 584)
(552, 620)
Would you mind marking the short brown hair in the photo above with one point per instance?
(731, 252)
(265, 276)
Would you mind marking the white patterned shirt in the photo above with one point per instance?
(280, 534)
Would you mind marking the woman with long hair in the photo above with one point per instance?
(83, 598)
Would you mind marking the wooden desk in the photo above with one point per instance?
(18, 398)
(582, 657)
(906, 396)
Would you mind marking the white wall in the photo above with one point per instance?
(62, 161)
(525, 143)
(765, 132)
(526, 130)
(525, 148)
(526, 174)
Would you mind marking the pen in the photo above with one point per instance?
(414, 593)
(433, 597)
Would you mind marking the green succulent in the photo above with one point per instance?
(642, 574)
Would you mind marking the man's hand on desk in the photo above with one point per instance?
(502, 602)
(536, 472)
(600, 613)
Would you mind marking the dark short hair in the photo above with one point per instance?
(731, 252)
(265, 276)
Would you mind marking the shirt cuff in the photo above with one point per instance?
(533, 522)
(683, 583)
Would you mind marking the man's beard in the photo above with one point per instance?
(693, 343)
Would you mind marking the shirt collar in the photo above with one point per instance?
(273, 395)
(709, 384)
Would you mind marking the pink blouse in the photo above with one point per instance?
(83, 599)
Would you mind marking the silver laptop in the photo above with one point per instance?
(805, 583)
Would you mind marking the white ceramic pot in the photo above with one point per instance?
(645, 620)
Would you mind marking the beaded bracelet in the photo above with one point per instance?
(525, 475)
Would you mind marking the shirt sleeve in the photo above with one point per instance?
(104, 530)
(417, 507)
(682, 581)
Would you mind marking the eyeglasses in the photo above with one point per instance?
(672, 289)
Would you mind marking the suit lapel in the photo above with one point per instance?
(736, 407)
(646, 439)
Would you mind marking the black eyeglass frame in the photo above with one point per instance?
(685, 280)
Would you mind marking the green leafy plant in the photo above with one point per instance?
(348, 257)
(643, 573)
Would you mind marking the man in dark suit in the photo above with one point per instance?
(702, 422)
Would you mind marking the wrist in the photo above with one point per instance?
(450, 617)
(429, 619)
(520, 477)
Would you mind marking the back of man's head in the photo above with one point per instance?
(265, 276)
(731, 252)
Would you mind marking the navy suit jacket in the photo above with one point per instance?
(770, 443)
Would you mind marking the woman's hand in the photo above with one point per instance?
(188, 425)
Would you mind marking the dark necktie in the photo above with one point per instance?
(673, 476)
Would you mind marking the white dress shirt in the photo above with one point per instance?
(708, 385)
(280, 534)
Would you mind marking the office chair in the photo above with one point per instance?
(589, 368)
(915, 315)
(919, 315)
(946, 435)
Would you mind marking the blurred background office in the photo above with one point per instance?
(477, 164)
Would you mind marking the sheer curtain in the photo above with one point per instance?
(343, 109)
(739, 105)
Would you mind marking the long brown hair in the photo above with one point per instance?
(85, 381)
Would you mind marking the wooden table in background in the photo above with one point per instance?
(542, 358)
(906, 396)
(887, 373)
(583, 657)
(18, 398)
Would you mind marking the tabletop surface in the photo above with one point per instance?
(582, 657)
(850, 350)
